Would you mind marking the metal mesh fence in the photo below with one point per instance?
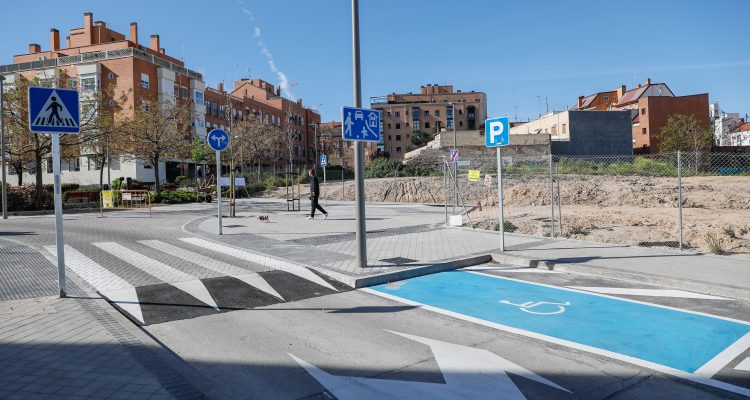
(697, 201)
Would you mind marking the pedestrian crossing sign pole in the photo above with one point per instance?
(55, 111)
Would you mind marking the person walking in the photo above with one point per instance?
(314, 195)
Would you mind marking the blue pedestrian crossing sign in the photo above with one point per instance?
(360, 124)
(497, 132)
(218, 140)
(323, 160)
(53, 110)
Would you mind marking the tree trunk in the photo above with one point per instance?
(155, 164)
(39, 184)
(19, 172)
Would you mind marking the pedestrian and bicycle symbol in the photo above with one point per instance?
(543, 307)
(53, 110)
(218, 140)
(360, 124)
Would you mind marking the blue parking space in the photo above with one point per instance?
(672, 338)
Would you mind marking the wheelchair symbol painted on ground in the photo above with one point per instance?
(543, 307)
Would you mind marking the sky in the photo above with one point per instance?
(527, 56)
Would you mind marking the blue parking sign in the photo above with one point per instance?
(360, 124)
(497, 132)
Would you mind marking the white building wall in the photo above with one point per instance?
(89, 175)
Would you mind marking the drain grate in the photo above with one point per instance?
(398, 260)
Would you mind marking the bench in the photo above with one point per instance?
(79, 197)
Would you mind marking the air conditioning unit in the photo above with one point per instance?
(42, 58)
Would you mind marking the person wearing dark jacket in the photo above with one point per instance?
(315, 195)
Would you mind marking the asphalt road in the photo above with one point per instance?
(360, 345)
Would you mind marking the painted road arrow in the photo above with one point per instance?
(469, 373)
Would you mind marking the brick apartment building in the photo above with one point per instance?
(433, 109)
(650, 106)
(95, 56)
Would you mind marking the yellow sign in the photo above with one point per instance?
(107, 199)
(474, 175)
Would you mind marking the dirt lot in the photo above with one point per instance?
(625, 210)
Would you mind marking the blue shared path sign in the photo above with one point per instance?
(360, 124)
(218, 140)
(323, 160)
(497, 132)
(53, 110)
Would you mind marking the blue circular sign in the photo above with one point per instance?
(218, 140)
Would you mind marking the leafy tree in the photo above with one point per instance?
(158, 131)
(684, 133)
(199, 153)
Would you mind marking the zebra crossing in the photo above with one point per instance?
(192, 279)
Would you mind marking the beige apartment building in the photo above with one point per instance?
(411, 120)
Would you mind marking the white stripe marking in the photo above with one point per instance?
(648, 292)
(111, 286)
(251, 278)
(525, 270)
(270, 262)
(744, 365)
(636, 361)
(713, 366)
(161, 271)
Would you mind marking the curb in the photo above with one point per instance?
(386, 277)
(734, 292)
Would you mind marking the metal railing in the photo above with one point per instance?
(99, 56)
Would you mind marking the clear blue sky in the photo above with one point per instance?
(512, 50)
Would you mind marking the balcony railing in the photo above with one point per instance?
(99, 56)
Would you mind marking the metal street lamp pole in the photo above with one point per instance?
(2, 149)
(359, 162)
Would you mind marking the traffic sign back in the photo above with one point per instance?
(497, 132)
(53, 110)
(360, 124)
(218, 140)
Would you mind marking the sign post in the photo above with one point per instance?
(324, 164)
(55, 111)
(218, 140)
(360, 125)
(496, 134)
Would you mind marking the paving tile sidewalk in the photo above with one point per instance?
(403, 236)
(71, 348)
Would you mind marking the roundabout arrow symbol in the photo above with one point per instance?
(469, 373)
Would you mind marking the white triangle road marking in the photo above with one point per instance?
(161, 271)
(267, 261)
(116, 289)
(744, 365)
(647, 292)
(469, 373)
(251, 278)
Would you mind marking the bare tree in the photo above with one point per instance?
(158, 131)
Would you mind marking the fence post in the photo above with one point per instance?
(551, 197)
(559, 198)
(679, 193)
(445, 189)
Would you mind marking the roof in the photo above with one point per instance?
(743, 127)
(587, 101)
(632, 95)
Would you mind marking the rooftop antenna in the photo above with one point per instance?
(515, 107)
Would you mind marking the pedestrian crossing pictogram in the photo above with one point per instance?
(53, 110)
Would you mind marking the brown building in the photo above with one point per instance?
(601, 101)
(652, 113)
(410, 120)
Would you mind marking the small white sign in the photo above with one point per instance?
(127, 196)
(239, 181)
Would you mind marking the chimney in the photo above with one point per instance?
(34, 48)
(580, 102)
(134, 33)
(648, 81)
(162, 51)
(67, 42)
(220, 87)
(620, 92)
(88, 25)
(54, 39)
(155, 43)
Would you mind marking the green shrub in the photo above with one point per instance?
(118, 183)
(180, 180)
(69, 187)
(256, 187)
(174, 197)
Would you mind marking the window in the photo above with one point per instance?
(460, 112)
(415, 128)
(564, 129)
(93, 163)
(415, 113)
(427, 125)
(398, 149)
(643, 111)
(147, 165)
(176, 90)
(184, 92)
(74, 164)
(145, 82)
(389, 126)
(398, 114)
(389, 114)
(398, 126)
(198, 97)
(398, 137)
(426, 113)
(389, 137)
(437, 113)
(461, 123)
(449, 116)
(88, 84)
(643, 131)
(73, 83)
(606, 98)
(201, 123)
(208, 107)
